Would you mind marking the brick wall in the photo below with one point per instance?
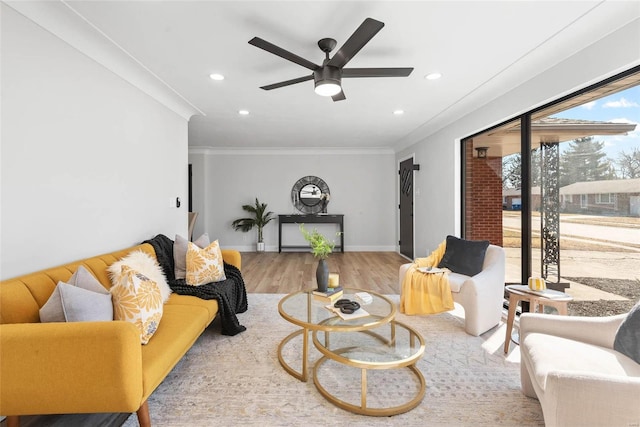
(483, 197)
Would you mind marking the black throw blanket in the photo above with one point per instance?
(231, 294)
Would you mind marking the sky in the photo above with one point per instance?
(621, 107)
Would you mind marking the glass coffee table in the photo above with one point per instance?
(374, 342)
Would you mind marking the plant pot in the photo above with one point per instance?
(322, 275)
(260, 246)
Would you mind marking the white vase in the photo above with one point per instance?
(260, 246)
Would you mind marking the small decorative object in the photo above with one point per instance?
(364, 297)
(537, 284)
(334, 280)
(259, 220)
(324, 199)
(321, 247)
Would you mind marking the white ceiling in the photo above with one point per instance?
(483, 49)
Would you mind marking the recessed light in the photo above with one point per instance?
(215, 76)
(243, 112)
(398, 112)
(433, 76)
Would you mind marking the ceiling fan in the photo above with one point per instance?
(328, 77)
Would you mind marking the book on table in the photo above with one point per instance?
(331, 295)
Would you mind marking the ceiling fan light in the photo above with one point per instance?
(327, 88)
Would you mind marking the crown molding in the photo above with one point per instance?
(61, 20)
(284, 151)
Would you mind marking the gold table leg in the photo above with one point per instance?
(302, 376)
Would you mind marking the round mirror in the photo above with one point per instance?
(310, 195)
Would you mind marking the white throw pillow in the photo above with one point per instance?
(144, 264)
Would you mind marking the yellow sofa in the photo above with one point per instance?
(88, 367)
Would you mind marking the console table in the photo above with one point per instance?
(310, 219)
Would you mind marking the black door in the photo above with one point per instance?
(406, 208)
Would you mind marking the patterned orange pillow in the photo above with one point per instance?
(204, 265)
(137, 299)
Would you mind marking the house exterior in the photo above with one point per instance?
(610, 197)
(512, 199)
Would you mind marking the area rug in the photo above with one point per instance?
(238, 381)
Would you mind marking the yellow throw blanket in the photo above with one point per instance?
(426, 293)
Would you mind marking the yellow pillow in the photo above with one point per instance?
(137, 299)
(204, 265)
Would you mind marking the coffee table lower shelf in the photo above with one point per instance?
(401, 348)
(363, 408)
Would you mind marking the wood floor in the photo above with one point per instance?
(282, 273)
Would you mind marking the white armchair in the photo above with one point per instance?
(569, 364)
(482, 295)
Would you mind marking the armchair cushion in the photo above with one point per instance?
(627, 340)
(464, 256)
(550, 354)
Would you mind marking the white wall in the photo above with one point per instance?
(362, 185)
(437, 207)
(89, 162)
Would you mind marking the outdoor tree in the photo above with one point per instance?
(512, 171)
(585, 160)
(535, 167)
(629, 163)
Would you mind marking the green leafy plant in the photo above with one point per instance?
(320, 245)
(260, 218)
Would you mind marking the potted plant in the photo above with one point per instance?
(321, 247)
(260, 218)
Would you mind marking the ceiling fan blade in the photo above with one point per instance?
(358, 39)
(272, 48)
(376, 72)
(339, 97)
(287, 82)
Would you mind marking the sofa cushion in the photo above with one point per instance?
(144, 264)
(180, 328)
(204, 265)
(74, 300)
(180, 246)
(137, 299)
(627, 340)
(210, 304)
(548, 353)
(464, 256)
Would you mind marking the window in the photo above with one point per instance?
(606, 199)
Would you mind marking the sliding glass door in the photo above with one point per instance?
(559, 189)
